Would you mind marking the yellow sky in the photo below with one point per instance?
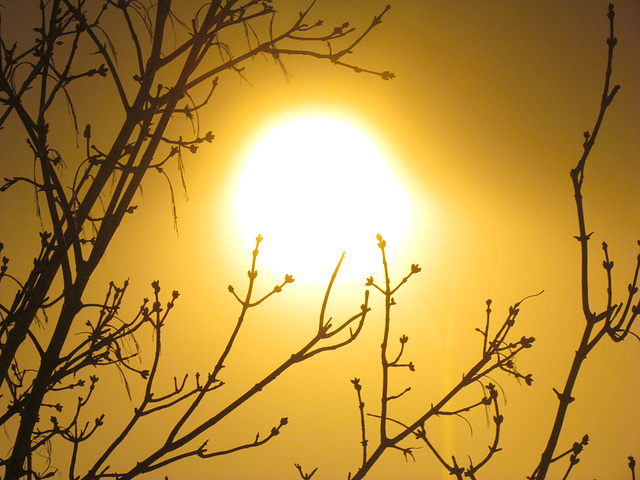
(481, 125)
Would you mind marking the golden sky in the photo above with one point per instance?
(482, 124)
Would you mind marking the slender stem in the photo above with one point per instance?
(383, 349)
(586, 343)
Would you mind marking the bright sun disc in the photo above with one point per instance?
(316, 187)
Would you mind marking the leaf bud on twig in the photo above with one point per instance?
(356, 384)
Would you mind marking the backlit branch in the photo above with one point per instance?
(180, 437)
(597, 325)
(498, 353)
(74, 45)
(256, 443)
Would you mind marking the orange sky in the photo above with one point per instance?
(481, 125)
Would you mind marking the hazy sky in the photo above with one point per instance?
(482, 126)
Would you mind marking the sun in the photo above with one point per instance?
(314, 188)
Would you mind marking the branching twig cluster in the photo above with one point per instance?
(498, 353)
(111, 341)
(175, 68)
(55, 342)
(613, 320)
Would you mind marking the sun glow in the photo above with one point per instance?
(316, 187)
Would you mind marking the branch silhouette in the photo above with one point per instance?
(161, 64)
(597, 324)
(177, 61)
(498, 353)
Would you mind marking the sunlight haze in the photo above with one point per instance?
(313, 188)
(461, 162)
